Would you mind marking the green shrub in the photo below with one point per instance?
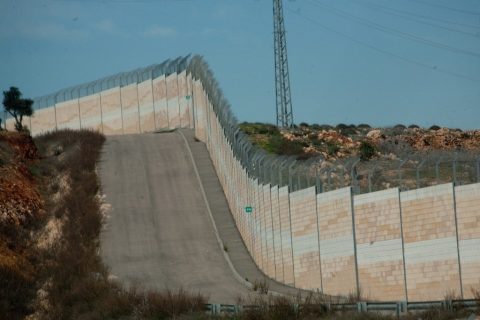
(434, 127)
(332, 148)
(413, 126)
(366, 150)
(259, 128)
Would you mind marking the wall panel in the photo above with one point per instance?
(468, 216)
(145, 102)
(68, 115)
(91, 112)
(431, 258)
(160, 98)
(111, 111)
(267, 202)
(172, 101)
(379, 245)
(277, 235)
(183, 100)
(287, 254)
(337, 253)
(305, 239)
(43, 120)
(129, 99)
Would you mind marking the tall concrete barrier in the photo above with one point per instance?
(388, 245)
(379, 242)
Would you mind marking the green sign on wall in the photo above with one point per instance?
(187, 97)
(248, 209)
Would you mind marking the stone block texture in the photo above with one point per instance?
(277, 235)
(431, 256)
(90, 112)
(172, 101)
(467, 200)
(112, 115)
(270, 245)
(145, 106)
(306, 259)
(337, 253)
(68, 114)
(160, 102)
(378, 237)
(286, 235)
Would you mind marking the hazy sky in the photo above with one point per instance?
(380, 62)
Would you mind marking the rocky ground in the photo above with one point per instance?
(381, 151)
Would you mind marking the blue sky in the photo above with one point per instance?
(380, 62)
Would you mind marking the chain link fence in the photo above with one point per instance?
(410, 172)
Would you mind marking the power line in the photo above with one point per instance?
(395, 32)
(385, 52)
(407, 17)
(414, 14)
(473, 13)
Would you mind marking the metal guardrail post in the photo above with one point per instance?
(362, 307)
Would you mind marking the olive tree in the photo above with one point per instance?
(16, 106)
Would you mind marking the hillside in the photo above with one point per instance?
(379, 158)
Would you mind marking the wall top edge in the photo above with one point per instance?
(427, 191)
(120, 79)
(392, 192)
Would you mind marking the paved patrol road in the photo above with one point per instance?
(158, 233)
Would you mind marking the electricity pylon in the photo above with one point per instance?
(282, 79)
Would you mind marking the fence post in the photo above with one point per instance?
(478, 170)
(329, 178)
(402, 162)
(437, 173)
(353, 174)
(418, 172)
(290, 182)
(454, 168)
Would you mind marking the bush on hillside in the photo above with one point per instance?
(366, 150)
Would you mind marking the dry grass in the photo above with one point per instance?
(58, 274)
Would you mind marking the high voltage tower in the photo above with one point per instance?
(282, 79)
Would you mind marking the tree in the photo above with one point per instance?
(16, 106)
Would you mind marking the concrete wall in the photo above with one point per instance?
(161, 103)
(304, 230)
(388, 245)
(468, 220)
(378, 235)
(430, 240)
(337, 252)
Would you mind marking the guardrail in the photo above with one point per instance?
(397, 307)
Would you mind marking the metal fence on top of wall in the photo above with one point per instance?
(330, 228)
